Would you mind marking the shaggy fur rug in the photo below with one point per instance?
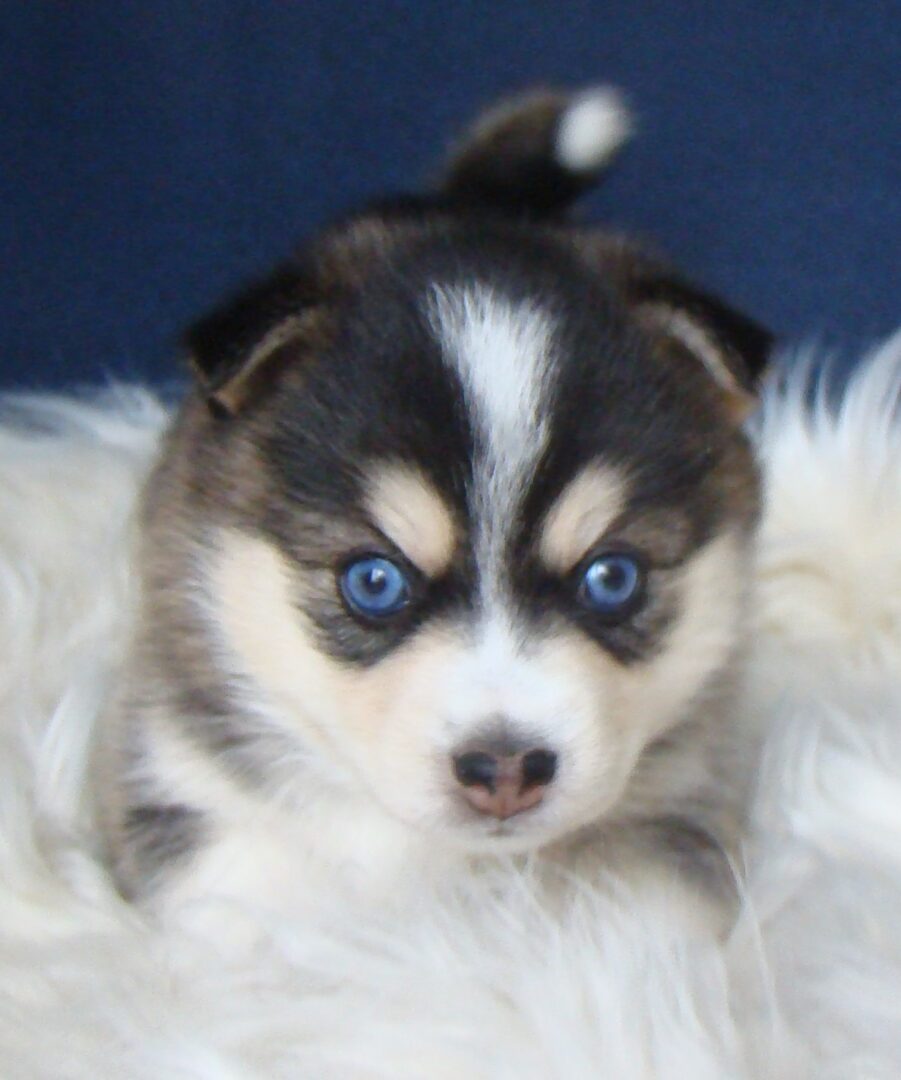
(484, 984)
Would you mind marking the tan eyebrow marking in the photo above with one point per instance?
(664, 533)
(588, 506)
(410, 512)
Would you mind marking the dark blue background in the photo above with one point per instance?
(154, 153)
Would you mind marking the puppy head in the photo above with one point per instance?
(470, 514)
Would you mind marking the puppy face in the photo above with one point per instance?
(476, 539)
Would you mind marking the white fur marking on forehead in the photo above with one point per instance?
(581, 515)
(408, 510)
(503, 352)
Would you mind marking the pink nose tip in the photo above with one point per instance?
(504, 785)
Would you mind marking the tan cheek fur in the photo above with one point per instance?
(379, 719)
(267, 638)
(711, 594)
(638, 704)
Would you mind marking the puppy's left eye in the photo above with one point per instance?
(612, 585)
(375, 587)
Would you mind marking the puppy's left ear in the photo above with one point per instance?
(238, 348)
(734, 348)
(694, 325)
(685, 322)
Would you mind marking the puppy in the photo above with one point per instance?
(445, 556)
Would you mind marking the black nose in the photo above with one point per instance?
(538, 768)
(476, 767)
(504, 785)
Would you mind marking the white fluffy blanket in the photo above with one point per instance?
(487, 985)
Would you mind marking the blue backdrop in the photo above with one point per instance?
(155, 153)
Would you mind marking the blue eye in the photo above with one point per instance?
(611, 584)
(375, 587)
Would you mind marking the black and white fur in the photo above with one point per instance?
(472, 386)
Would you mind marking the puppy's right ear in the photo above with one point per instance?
(241, 345)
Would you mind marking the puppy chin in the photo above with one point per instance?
(499, 838)
(468, 832)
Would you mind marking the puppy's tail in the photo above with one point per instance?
(535, 155)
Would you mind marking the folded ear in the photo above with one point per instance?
(686, 321)
(236, 349)
(733, 348)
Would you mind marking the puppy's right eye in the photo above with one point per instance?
(612, 585)
(374, 587)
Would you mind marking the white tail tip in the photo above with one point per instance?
(593, 129)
